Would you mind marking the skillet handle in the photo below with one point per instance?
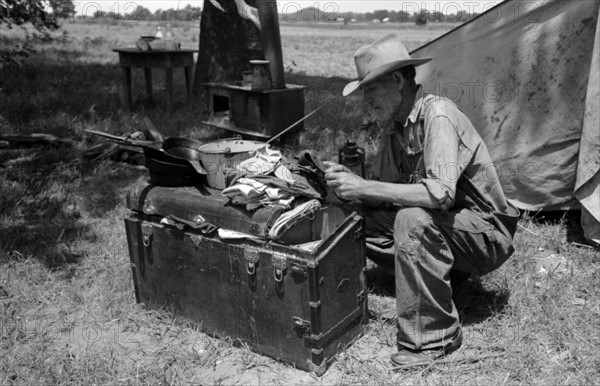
(196, 165)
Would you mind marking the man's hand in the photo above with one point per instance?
(346, 185)
(333, 167)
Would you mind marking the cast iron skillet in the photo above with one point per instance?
(169, 180)
(159, 155)
(168, 168)
(184, 148)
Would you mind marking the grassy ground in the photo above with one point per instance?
(67, 310)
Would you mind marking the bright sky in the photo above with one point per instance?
(450, 7)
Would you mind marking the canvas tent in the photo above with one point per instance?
(527, 74)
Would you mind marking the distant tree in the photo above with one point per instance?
(113, 16)
(451, 18)
(310, 14)
(41, 14)
(421, 17)
(349, 15)
(464, 16)
(167, 14)
(37, 12)
(436, 16)
(62, 9)
(381, 14)
(399, 16)
(159, 14)
(140, 13)
(403, 16)
(190, 13)
(292, 14)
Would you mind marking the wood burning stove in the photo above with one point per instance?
(259, 113)
(248, 109)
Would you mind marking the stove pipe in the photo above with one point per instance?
(271, 40)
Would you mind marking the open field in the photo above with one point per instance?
(67, 308)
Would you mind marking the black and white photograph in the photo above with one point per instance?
(279, 192)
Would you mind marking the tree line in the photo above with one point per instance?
(423, 16)
(187, 13)
(292, 15)
(46, 14)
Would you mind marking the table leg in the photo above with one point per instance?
(127, 77)
(169, 87)
(148, 77)
(188, 83)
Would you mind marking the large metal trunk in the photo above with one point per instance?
(298, 305)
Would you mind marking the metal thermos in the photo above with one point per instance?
(353, 157)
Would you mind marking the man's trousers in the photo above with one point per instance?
(421, 246)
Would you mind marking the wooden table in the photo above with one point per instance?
(168, 59)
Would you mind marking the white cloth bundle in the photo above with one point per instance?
(291, 217)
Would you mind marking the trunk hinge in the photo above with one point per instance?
(360, 298)
(196, 240)
(299, 271)
(358, 233)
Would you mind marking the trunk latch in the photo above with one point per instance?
(279, 262)
(146, 234)
(252, 257)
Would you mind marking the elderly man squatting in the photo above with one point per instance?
(436, 203)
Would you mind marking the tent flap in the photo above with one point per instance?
(528, 80)
(587, 188)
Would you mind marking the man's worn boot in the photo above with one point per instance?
(407, 358)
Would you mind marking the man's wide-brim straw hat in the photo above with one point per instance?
(380, 58)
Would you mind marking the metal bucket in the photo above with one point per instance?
(222, 157)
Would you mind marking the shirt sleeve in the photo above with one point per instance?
(440, 159)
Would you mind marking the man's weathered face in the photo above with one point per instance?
(382, 99)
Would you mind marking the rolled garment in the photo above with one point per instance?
(289, 218)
